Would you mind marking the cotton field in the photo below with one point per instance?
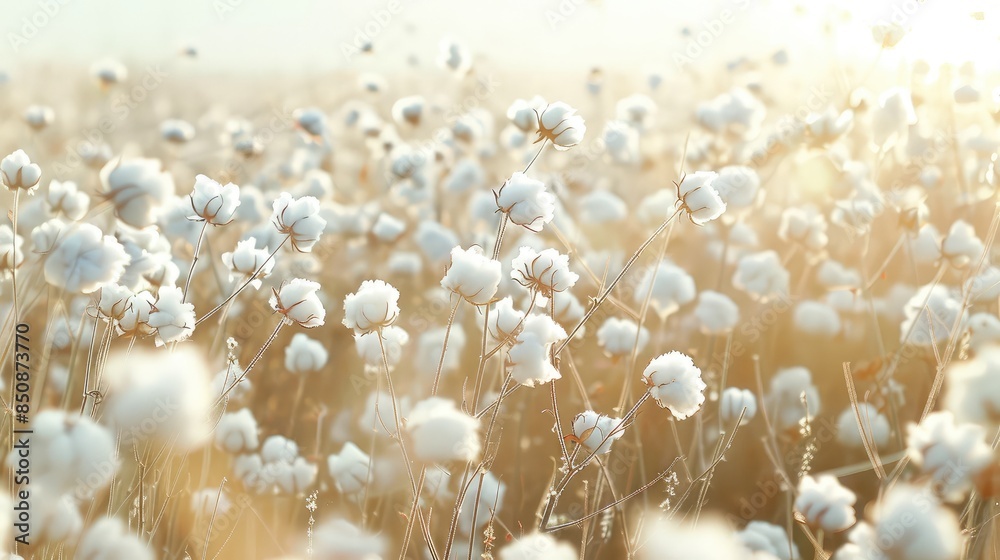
(558, 281)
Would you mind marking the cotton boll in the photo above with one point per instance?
(825, 504)
(698, 197)
(734, 402)
(528, 359)
(526, 202)
(296, 477)
(279, 449)
(523, 114)
(761, 275)
(134, 320)
(601, 207)
(792, 393)
(304, 355)
(84, 259)
(710, 539)
(350, 469)
(167, 399)
(299, 219)
(55, 519)
(466, 175)
(657, 207)
(430, 345)
(961, 246)
(559, 124)
(910, 523)
(985, 286)
(18, 172)
(338, 538)
(11, 255)
(952, 454)
(675, 383)
(619, 336)
(621, 142)
(597, 432)
(39, 117)
(405, 263)
(374, 306)
(435, 240)
(298, 302)
(442, 433)
(66, 199)
(246, 261)
(833, 275)
(544, 272)
(149, 253)
(236, 432)
(984, 330)
(472, 275)
(716, 312)
(931, 314)
(213, 202)
(769, 539)
(138, 188)
(737, 185)
(378, 413)
(874, 423)
(47, 235)
(488, 492)
(370, 350)
(805, 226)
(668, 287)
(172, 318)
(109, 539)
(925, 246)
(73, 454)
(826, 127)
(892, 116)
(504, 321)
(177, 131)
(537, 546)
(817, 318)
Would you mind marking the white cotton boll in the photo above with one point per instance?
(711, 539)
(177, 131)
(931, 314)
(716, 312)
(472, 275)
(338, 538)
(350, 469)
(298, 302)
(435, 240)
(304, 355)
(961, 246)
(440, 432)
(296, 477)
(47, 235)
(167, 399)
(214, 203)
(246, 260)
(769, 539)
(621, 142)
(829, 125)
(637, 109)
(109, 539)
(138, 188)
(18, 172)
(985, 286)
(911, 524)
(84, 259)
(528, 359)
(208, 502)
(408, 110)
(825, 504)
(39, 116)
(369, 349)
(984, 330)
(54, 518)
(65, 198)
(875, 424)
(537, 546)
(453, 56)
(526, 202)
(601, 207)
(279, 449)
(737, 185)
(374, 306)
(236, 432)
(378, 413)
(545, 272)
(698, 197)
(523, 114)
(618, 337)
(108, 72)
(113, 301)
(668, 287)
(11, 255)
(597, 432)
(134, 320)
(73, 454)
(299, 219)
(805, 226)
(735, 401)
(817, 318)
(559, 124)
(315, 183)
(405, 263)
(892, 116)
(675, 383)
(792, 392)
(834, 276)
(504, 321)
(951, 453)
(467, 174)
(488, 492)
(855, 214)
(761, 275)
(149, 253)
(310, 121)
(657, 207)
(925, 246)
(430, 345)
(173, 319)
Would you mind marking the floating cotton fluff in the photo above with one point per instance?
(667, 286)
(961, 247)
(73, 454)
(711, 539)
(544, 272)
(824, 504)
(504, 321)
(304, 354)
(297, 301)
(168, 399)
(109, 539)
(172, 318)
(84, 259)
(792, 394)
(952, 454)
(597, 432)
(602, 207)
(817, 318)
(481, 502)
(907, 523)
(472, 275)
(441, 433)
(370, 349)
(236, 432)
(931, 314)
(772, 541)
(737, 185)
(675, 383)
(299, 219)
(761, 275)
(528, 359)
(537, 546)
(874, 423)
(697, 196)
(65, 198)
(716, 312)
(559, 124)
(338, 538)
(733, 402)
(526, 202)
(805, 226)
(246, 260)
(138, 188)
(350, 469)
(618, 337)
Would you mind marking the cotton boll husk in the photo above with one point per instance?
(711, 539)
(167, 399)
(429, 347)
(716, 312)
(84, 259)
(597, 432)
(875, 424)
(675, 383)
(667, 286)
(304, 354)
(952, 454)
(785, 398)
(930, 315)
(350, 469)
(537, 546)
(442, 433)
(601, 207)
(338, 538)
(138, 188)
(769, 539)
(109, 539)
(761, 275)
(825, 504)
(733, 402)
(619, 336)
(817, 318)
(488, 491)
(236, 432)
